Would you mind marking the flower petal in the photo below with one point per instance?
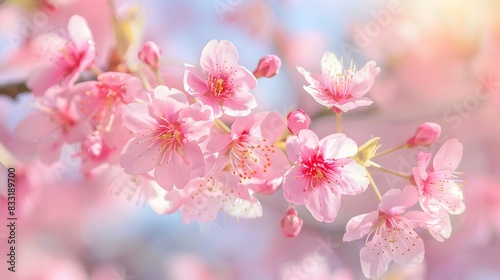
(324, 203)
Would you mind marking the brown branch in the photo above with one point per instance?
(13, 89)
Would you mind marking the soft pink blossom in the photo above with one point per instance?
(437, 184)
(426, 134)
(167, 137)
(322, 173)
(339, 88)
(76, 56)
(291, 223)
(391, 234)
(268, 66)
(221, 83)
(203, 198)
(150, 53)
(249, 151)
(298, 120)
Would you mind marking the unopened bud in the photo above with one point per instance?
(426, 134)
(298, 120)
(291, 223)
(268, 66)
(150, 54)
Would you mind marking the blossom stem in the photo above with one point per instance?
(390, 150)
(339, 122)
(372, 183)
(158, 76)
(378, 166)
(222, 126)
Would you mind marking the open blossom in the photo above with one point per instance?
(76, 56)
(56, 123)
(250, 152)
(167, 137)
(203, 198)
(339, 88)
(221, 83)
(323, 172)
(437, 184)
(391, 234)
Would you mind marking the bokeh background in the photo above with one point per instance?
(440, 62)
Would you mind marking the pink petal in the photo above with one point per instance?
(50, 151)
(195, 81)
(323, 203)
(305, 144)
(218, 54)
(175, 172)
(337, 146)
(312, 81)
(140, 156)
(44, 77)
(79, 32)
(374, 259)
(449, 155)
(359, 226)
(240, 104)
(420, 172)
(35, 126)
(136, 117)
(408, 249)
(349, 104)
(364, 78)
(396, 201)
(354, 176)
(295, 185)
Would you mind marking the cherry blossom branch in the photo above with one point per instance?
(222, 126)
(378, 166)
(13, 89)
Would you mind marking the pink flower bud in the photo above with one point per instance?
(426, 134)
(150, 54)
(268, 66)
(291, 223)
(298, 120)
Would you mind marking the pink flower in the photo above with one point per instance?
(298, 120)
(268, 66)
(392, 233)
(323, 172)
(338, 88)
(291, 223)
(54, 124)
(437, 184)
(222, 83)
(167, 137)
(426, 134)
(77, 55)
(203, 198)
(250, 152)
(150, 53)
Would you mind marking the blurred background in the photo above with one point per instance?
(440, 62)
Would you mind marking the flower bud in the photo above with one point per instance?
(298, 120)
(291, 223)
(150, 54)
(268, 66)
(426, 134)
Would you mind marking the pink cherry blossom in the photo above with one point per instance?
(298, 120)
(426, 134)
(391, 234)
(167, 134)
(57, 122)
(203, 198)
(268, 66)
(339, 88)
(323, 172)
(291, 223)
(250, 152)
(77, 55)
(437, 184)
(221, 83)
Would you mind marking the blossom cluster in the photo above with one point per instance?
(205, 149)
